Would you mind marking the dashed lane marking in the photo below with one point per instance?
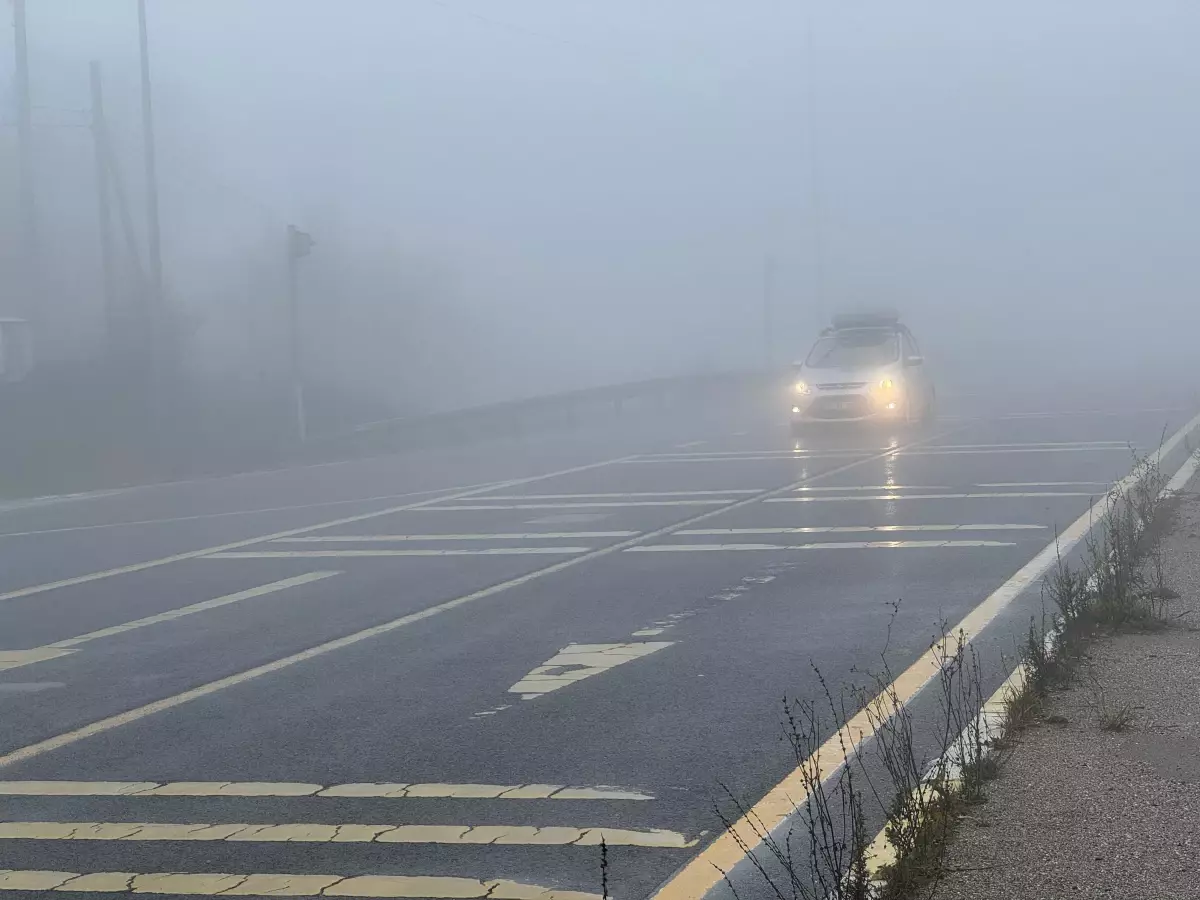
(398, 538)
(856, 529)
(382, 790)
(828, 545)
(12, 659)
(291, 532)
(101, 726)
(457, 551)
(576, 662)
(974, 495)
(212, 884)
(314, 833)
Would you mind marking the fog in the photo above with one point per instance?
(517, 197)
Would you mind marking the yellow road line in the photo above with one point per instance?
(291, 532)
(745, 836)
(428, 551)
(392, 790)
(314, 833)
(12, 659)
(212, 884)
(101, 726)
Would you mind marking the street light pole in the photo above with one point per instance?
(298, 244)
(29, 225)
(152, 227)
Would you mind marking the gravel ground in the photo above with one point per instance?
(1082, 812)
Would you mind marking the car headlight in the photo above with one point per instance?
(802, 388)
(887, 384)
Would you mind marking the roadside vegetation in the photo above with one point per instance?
(927, 784)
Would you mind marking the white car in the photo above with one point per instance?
(867, 368)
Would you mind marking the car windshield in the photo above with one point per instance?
(853, 349)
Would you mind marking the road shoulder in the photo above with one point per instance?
(1101, 795)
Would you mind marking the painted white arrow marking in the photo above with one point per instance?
(576, 662)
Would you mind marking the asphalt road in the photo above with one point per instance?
(447, 674)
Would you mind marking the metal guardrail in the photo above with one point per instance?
(518, 418)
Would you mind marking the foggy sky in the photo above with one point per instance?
(567, 192)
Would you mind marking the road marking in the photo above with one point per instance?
(291, 532)
(707, 869)
(434, 887)
(1012, 484)
(12, 659)
(314, 833)
(383, 790)
(395, 538)
(783, 455)
(829, 545)
(613, 504)
(65, 739)
(241, 512)
(879, 487)
(689, 444)
(856, 529)
(576, 662)
(340, 554)
(981, 495)
(625, 495)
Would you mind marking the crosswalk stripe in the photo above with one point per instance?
(337, 554)
(396, 790)
(827, 545)
(858, 529)
(980, 495)
(314, 833)
(212, 884)
(12, 659)
(503, 536)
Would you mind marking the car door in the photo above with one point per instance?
(917, 373)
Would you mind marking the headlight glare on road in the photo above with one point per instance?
(802, 388)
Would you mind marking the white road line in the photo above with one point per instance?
(876, 487)
(690, 444)
(1015, 484)
(506, 536)
(12, 659)
(435, 887)
(797, 452)
(627, 495)
(857, 529)
(101, 726)
(576, 662)
(241, 512)
(828, 545)
(307, 529)
(597, 504)
(313, 833)
(983, 495)
(340, 554)
(386, 790)
(705, 870)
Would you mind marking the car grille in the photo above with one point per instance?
(842, 386)
(840, 407)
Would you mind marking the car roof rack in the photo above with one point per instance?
(884, 318)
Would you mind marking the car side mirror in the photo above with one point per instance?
(910, 361)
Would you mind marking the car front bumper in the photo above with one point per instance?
(848, 407)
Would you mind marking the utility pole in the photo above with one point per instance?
(298, 244)
(29, 225)
(99, 141)
(768, 310)
(153, 237)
